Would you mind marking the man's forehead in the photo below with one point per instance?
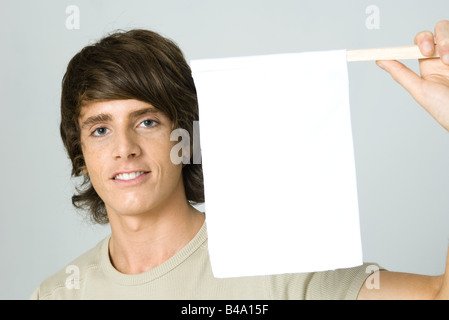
(111, 107)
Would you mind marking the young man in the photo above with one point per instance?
(121, 99)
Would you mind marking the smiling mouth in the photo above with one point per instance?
(129, 176)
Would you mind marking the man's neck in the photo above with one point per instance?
(140, 243)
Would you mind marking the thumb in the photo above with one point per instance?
(431, 95)
(403, 75)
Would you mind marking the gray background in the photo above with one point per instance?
(401, 152)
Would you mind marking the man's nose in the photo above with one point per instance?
(126, 145)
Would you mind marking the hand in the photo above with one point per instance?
(431, 89)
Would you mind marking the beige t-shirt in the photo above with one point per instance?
(188, 275)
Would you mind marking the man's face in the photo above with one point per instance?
(126, 147)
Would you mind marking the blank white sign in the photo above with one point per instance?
(278, 163)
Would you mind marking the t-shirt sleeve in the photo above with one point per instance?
(340, 284)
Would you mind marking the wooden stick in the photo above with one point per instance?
(392, 53)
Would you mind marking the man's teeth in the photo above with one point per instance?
(128, 176)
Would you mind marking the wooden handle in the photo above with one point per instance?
(392, 53)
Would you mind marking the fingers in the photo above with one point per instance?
(442, 38)
(425, 42)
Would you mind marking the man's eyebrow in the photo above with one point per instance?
(105, 117)
(142, 112)
(102, 117)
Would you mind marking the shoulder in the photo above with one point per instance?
(61, 284)
(338, 284)
(342, 284)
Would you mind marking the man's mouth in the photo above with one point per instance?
(129, 176)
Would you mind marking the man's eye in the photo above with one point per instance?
(148, 123)
(100, 132)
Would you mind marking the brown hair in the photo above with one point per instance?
(135, 64)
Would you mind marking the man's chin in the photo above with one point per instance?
(131, 210)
